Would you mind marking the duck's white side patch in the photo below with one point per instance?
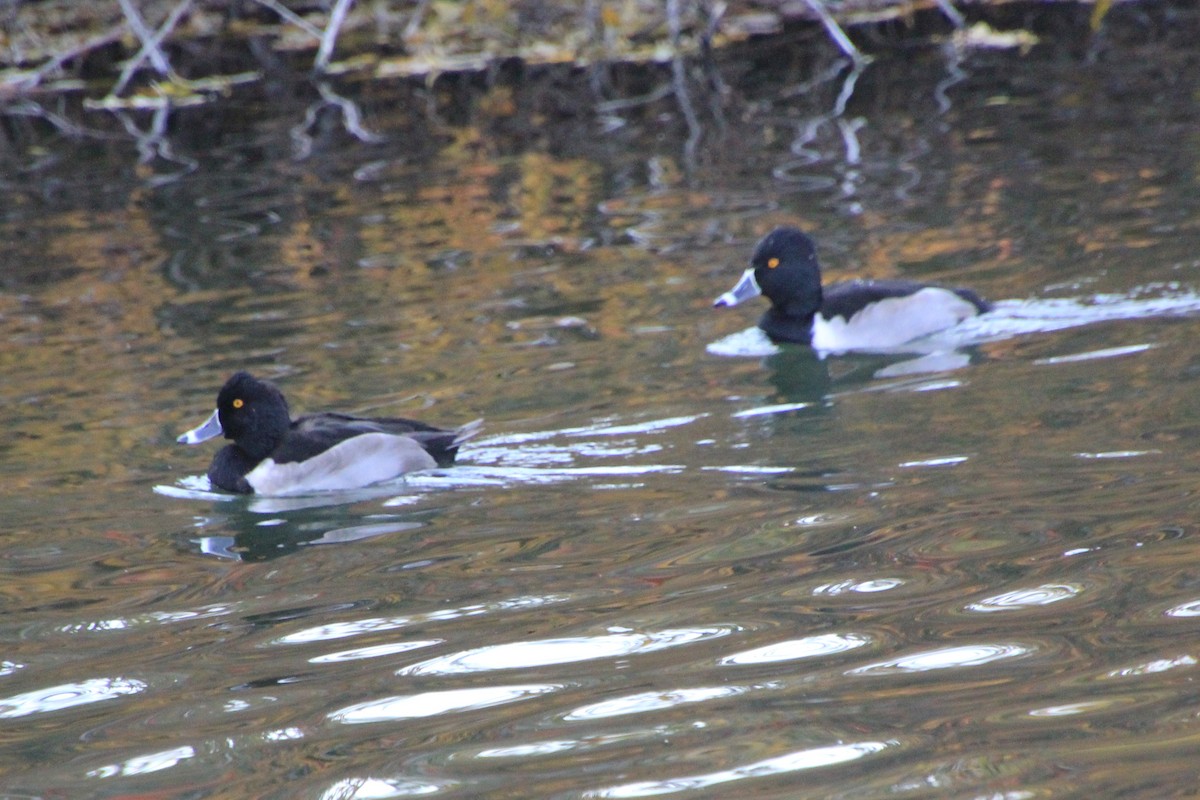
(893, 321)
(361, 461)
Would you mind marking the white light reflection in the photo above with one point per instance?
(791, 762)
(151, 618)
(1024, 598)
(1108, 352)
(546, 652)
(1154, 667)
(809, 647)
(947, 658)
(283, 735)
(653, 426)
(341, 630)
(1108, 454)
(520, 450)
(430, 704)
(373, 652)
(555, 746)
(751, 342)
(1188, 609)
(143, 765)
(747, 469)
(760, 411)
(653, 701)
(378, 789)
(944, 461)
(68, 695)
(1070, 709)
(475, 475)
(863, 587)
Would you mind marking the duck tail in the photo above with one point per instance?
(467, 432)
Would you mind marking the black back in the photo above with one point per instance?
(313, 434)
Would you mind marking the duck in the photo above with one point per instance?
(274, 455)
(868, 315)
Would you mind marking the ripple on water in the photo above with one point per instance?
(547, 652)
(429, 704)
(1026, 598)
(946, 658)
(1016, 605)
(644, 702)
(795, 761)
(371, 788)
(820, 645)
(372, 625)
(68, 695)
(842, 591)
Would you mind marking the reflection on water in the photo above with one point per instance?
(430, 704)
(57, 698)
(964, 570)
(791, 762)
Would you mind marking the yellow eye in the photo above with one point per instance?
(772, 263)
(238, 403)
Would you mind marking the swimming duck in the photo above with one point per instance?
(272, 454)
(856, 315)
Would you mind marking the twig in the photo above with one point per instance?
(153, 52)
(414, 22)
(612, 106)
(28, 108)
(329, 37)
(291, 16)
(30, 79)
(956, 18)
(150, 47)
(835, 31)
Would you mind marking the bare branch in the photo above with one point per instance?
(26, 81)
(835, 32)
(151, 46)
(952, 13)
(414, 22)
(329, 37)
(288, 15)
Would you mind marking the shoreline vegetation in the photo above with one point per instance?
(63, 45)
(124, 56)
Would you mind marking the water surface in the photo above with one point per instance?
(661, 571)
